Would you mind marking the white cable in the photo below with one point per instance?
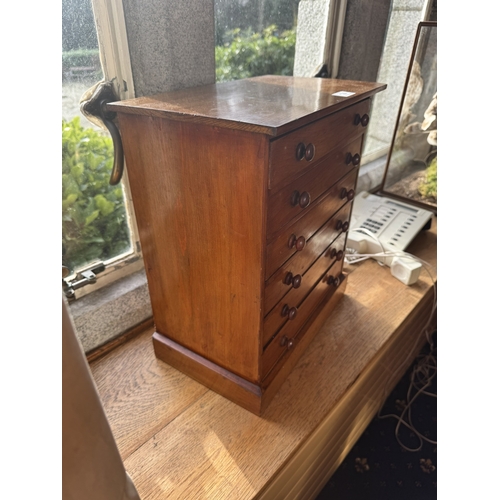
(429, 361)
(411, 400)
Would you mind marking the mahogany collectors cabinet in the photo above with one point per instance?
(242, 193)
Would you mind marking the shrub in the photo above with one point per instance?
(94, 219)
(428, 188)
(253, 54)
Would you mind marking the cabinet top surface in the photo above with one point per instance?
(266, 104)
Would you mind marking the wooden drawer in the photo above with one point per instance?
(322, 136)
(282, 281)
(294, 237)
(289, 202)
(287, 308)
(283, 341)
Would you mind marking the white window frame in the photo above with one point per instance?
(111, 30)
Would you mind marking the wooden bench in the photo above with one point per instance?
(180, 440)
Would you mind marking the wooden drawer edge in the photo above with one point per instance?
(285, 365)
(274, 351)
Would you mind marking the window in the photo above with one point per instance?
(254, 37)
(164, 59)
(402, 27)
(97, 218)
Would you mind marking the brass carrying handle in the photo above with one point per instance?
(95, 106)
(107, 118)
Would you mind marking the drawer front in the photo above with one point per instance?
(289, 202)
(287, 308)
(291, 273)
(285, 340)
(318, 139)
(294, 237)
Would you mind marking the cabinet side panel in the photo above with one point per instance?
(199, 195)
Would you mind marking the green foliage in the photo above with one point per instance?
(94, 219)
(81, 57)
(253, 54)
(429, 187)
(253, 15)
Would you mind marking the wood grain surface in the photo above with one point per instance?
(182, 441)
(200, 162)
(325, 135)
(314, 182)
(199, 204)
(271, 105)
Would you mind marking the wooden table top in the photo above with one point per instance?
(180, 440)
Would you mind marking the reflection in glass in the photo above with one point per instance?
(94, 217)
(412, 163)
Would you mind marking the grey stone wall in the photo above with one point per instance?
(171, 44)
(365, 26)
(107, 313)
(404, 18)
(311, 31)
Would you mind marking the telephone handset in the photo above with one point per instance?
(380, 224)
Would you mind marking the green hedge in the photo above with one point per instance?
(253, 54)
(87, 58)
(94, 219)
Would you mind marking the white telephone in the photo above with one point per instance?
(379, 225)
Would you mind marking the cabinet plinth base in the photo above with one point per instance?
(253, 397)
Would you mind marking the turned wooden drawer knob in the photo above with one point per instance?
(310, 152)
(299, 243)
(336, 255)
(290, 279)
(332, 280)
(349, 194)
(289, 312)
(354, 159)
(305, 199)
(300, 152)
(302, 200)
(342, 226)
(361, 119)
(285, 341)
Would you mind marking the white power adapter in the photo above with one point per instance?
(382, 228)
(406, 269)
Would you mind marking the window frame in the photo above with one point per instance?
(376, 155)
(109, 18)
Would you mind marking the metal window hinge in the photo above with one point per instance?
(82, 278)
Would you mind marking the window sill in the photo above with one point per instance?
(105, 314)
(371, 174)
